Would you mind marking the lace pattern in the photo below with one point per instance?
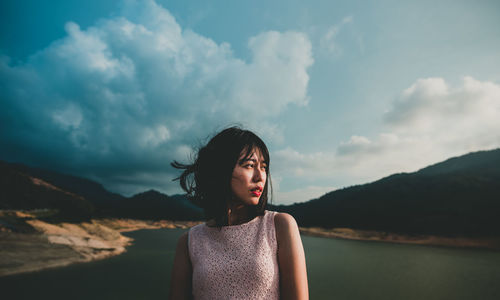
(235, 262)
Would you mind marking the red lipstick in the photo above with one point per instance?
(257, 191)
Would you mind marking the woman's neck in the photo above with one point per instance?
(237, 214)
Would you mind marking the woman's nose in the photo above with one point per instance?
(258, 175)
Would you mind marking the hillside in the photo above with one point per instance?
(153, 205)
(79, 199)
(21, 190)
(457, 197)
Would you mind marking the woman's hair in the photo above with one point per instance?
(207, 181)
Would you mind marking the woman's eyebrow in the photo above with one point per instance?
(243, 160)
(248, 159)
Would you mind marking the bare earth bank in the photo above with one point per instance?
(492, 243)
(55, 245)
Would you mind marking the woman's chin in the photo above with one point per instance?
(252, 202)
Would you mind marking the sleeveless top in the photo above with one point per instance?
(235, 262)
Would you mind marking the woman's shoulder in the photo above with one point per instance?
(284, 219)
(182, 242)
(185, 236)
(284, 223)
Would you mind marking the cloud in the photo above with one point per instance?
(119, 100)
(328, 42)
(292, 162)
(428, 122)
(455, 119)
(300, 195)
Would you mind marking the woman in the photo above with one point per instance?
(243, 251)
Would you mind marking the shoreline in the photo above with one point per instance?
(490, 243)
(48, 245)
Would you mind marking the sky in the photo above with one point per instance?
(342, 92)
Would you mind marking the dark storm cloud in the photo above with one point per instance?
(118, 101)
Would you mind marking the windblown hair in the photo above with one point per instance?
(207, 181)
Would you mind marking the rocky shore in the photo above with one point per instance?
(28, 244)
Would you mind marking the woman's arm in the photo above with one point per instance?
(180, 284)
(291, 259)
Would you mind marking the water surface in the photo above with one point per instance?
(337, 269)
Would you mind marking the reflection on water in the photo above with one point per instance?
(337, 269)
(367, 270)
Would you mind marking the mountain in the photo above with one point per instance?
(154, 205)
(76, 198)
(86, 188)
(459, 196)
(21, 190)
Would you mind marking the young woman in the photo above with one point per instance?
(243, 251)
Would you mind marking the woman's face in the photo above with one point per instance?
(249, 178)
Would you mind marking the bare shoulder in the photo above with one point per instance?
(182, 249)
(180, 282)
(291, 258)
(284, 219)
(184, 237)
(285, 223)
(182, 242)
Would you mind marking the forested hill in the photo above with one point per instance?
(460, 196)
(76, 199)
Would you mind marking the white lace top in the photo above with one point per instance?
(235, 262)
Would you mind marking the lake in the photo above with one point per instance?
(337, 269)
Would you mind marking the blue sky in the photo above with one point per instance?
(343, 92)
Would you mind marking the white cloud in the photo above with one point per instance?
(290, 161)
(300, 195)
(152, 137)
(290, 53)
(355, 144)
(429, 122)
(126, 94)
(457, 119)
(328, 42)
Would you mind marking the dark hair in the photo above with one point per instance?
(207, 181)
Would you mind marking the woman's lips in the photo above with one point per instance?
(256, 193)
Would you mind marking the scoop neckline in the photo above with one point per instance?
(238, 225)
